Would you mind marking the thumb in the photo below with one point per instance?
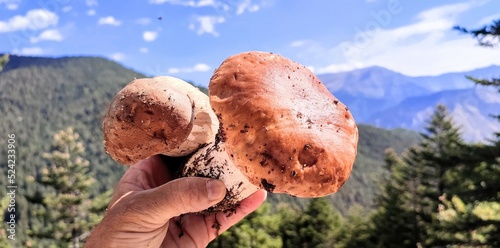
(180, 196)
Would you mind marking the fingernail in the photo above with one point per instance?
(215, 189)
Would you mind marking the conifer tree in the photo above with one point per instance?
(288, 228)
(434, 160)
(321, 224)
(357, 231)
(395, 220)
(471, 216)
(406, 209)
(67, 178)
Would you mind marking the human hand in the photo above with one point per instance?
(145, 208)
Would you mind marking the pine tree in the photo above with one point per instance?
(320, 224)
(288, 228)
(434, 160)
(67, 177)
(358, 230)
(405, 215)
(395, 219)
(471, 217)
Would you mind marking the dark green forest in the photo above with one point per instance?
(407, 189)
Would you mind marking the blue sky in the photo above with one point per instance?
(190, 38)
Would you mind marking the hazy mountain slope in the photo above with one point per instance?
(458, 80)
(387, 99)
(470, 109)
(371, 89)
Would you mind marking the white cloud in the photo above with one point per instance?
(206, 24)
(34, 19)
(91, 3)
(91, 12)
(143, 21)
(241, 6)
(428, 46)
(29, 51)
(11, 4)
(149, 35)
(189, 3)
(143, 50)
(233, 6)
(118, 56)
(311, 68)
(246, 5)
(200, 67)
(49, 34)
(334, 68)
(109, 20)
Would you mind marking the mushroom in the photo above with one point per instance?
(280, 130)
(161, 115)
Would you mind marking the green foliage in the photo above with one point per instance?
(66, 204)
(3, 61)
(4, 242)
(41, 96)
(472, 225)
(357, 231)
(98, 207)
(471, 218)
(259, 229)
(395, 220)
(320, 224)
(405, 215)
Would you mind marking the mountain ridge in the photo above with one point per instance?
(388, 99)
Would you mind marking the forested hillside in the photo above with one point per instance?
(40, 96)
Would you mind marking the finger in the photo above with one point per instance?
(146, 174)
(185, 195)
(197, 230)
(246, 207)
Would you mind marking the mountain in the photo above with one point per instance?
(388, 99)
(457, 80)
(470, 109)
(367, 91)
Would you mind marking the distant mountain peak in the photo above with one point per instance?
(21, 61)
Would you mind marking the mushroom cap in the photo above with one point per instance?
(281, 126)
(145, 118)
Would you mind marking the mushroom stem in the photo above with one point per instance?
(213, 161)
